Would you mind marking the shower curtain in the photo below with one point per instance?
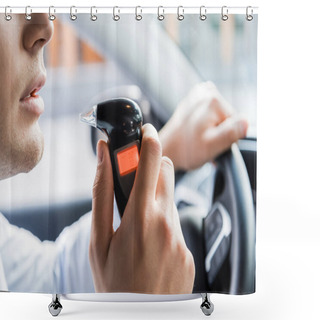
(189, 223)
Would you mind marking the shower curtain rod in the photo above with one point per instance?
(131, 10)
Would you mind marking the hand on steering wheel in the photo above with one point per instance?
(203, 126)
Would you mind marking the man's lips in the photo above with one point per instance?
(33, 104)
(30, 100)
(35, 85)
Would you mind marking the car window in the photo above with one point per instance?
(226, 54)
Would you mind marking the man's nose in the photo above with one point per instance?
(37, 32)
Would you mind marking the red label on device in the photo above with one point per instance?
(128, 160)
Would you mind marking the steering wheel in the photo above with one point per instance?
(225, 239)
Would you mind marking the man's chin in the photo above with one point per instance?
(27, 157)
(34, 156)
(20, 153)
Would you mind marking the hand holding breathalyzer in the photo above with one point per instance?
(147, 253)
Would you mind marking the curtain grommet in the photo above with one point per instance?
(8, 17)
(51, 16)
(28, 13)
(116, 17)
(73, 16)
(93, 17)
(180, 13)
(224, 13)
(249, 17)
(138, 16)
(203, 13)
(160, 16)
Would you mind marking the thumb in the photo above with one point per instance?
(102, 201)
(220, 138)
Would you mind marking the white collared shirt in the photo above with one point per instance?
(30, 265)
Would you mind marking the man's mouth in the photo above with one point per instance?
(30, 100)
(35, 85)
(32, 94)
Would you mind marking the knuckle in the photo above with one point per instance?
(182, 251)
(141, 229)
(186, 257)
(190, 266)
(166, 230)
(163, 207)
(233, 134)
(152, 144)
(142, 224)
(167, 163)
(140, 242)
(214, 102)
(167, 168)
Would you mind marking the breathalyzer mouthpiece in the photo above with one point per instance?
(90, 117)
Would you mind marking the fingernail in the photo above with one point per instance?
(99, 152)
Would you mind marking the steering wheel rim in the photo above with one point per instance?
(236, 197)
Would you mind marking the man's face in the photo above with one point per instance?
(22, 74)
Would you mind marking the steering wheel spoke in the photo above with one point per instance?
(217, 232)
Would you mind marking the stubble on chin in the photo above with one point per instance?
(33, 154)
(22, 157)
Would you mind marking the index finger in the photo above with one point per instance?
(149, 164)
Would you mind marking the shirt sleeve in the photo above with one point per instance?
(28, 264)
(73, 259)
(31, 265)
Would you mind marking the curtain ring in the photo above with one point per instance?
(93, 17)
(8, 17)
(224, 15)
(138, 16)
(249, 17)
(160, 16)
(116, 17)
(27, 15)
(203, 13)
(52, 16)
(179, 14)
(73, 16)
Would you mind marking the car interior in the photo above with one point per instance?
(222, 239)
